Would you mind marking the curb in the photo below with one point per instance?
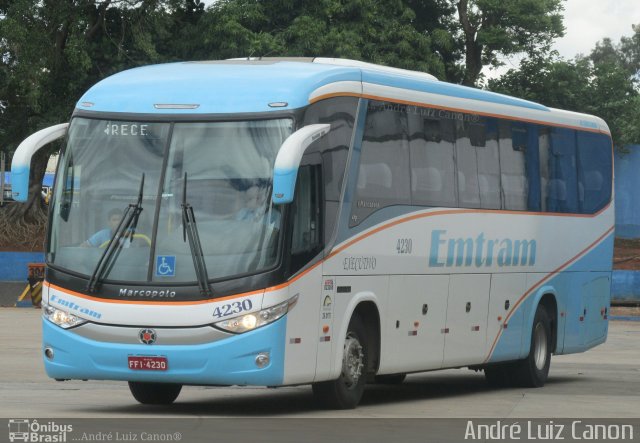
(623, 318)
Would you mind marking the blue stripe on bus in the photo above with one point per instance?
(568, 285)
(229, 361)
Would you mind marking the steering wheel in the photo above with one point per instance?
(142, 237)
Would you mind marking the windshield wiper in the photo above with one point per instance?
(190, 231)
(126, 228)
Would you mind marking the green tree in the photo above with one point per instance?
(599, 84)
(490, 28)
(369, 30)
(550, 80)
(438, 19)
(451, 39)
(51, 51)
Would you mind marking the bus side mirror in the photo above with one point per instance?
(21, 162)
(288, 161)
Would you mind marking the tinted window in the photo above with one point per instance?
(339, 112)
(488, 155)
(464, 160)
(562, 187)
(383, 178)
(306, 236)
(432, 161)
(513, 175)
(467, 163)
(544, 142)
(594, 171)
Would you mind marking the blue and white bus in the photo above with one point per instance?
(319, 221)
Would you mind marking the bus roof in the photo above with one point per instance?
(267, 85)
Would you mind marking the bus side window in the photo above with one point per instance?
(339, 112)
(432, 161)
(562, 189)
(489, 166)
(513, 176)
(383, 174)
(467, 164)
(594, 171)
(306, 216)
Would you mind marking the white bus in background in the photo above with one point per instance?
(354, 223)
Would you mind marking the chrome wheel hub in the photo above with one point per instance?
(540, 346)
(352, 362)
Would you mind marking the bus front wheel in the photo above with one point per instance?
(347, 390)
(154, 393)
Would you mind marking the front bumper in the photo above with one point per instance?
(225, 362)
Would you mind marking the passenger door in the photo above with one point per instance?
(305, 353)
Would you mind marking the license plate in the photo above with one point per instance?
(148, 363)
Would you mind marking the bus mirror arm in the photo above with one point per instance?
(288, 161)
(21, 163)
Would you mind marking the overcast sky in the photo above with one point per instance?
(587, 22)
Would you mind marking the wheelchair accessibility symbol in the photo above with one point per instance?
(165, 266)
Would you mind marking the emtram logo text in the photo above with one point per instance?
(481, 251)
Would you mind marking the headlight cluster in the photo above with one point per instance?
(61, 318)
(249, 322)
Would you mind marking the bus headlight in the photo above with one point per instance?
(61, 318)
(249, 322)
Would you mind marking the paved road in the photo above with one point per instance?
(604, 382)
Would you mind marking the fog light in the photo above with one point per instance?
(48, 352)
(262, 359)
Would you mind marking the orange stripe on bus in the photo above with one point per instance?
(331, 255)
(458, 211)
(136, 302)
(183, 303)
(446, 108)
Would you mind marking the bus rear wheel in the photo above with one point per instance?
(347, 390)
(533, 371)
(154, 393)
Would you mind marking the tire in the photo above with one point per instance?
(533, 371)
(392, 379)
(347, 390)
(154, 393)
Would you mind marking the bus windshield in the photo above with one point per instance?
(229, 167)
